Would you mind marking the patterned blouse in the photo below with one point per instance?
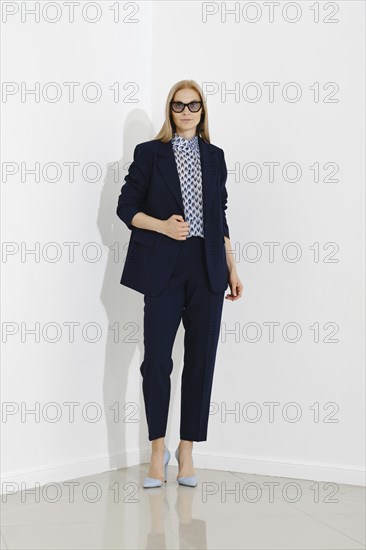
(187, 157)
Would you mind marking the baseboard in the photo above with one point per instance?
(30, 478)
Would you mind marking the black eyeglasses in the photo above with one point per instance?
(179, 106)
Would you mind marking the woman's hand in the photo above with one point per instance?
(236, 286)
(175, 227)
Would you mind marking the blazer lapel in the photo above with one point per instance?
(168, 169)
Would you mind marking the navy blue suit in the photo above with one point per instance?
(181, 280)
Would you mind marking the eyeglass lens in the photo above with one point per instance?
(193, 106)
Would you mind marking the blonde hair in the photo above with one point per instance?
(166, 132)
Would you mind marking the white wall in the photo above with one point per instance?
(79, 211)
(307, 297)
(319, 295)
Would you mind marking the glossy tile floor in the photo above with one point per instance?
(225, 510)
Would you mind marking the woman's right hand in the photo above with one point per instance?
(176, 228)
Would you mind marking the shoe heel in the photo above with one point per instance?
(167, 457)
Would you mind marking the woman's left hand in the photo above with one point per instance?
(236, 287)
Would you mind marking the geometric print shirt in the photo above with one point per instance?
(187, 158)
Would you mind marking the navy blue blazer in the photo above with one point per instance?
(152, 186)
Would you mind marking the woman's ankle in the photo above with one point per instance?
(185, 446)
(158, 445)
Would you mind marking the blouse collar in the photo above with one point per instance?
(179, 142)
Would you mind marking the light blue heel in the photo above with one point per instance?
(190, 481)
(153, 481)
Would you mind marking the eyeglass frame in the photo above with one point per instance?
(187, 105)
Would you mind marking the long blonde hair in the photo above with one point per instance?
(166, 132)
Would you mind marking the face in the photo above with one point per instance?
(186, 121)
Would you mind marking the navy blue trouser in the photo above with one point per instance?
(189, 298)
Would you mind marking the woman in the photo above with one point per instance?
(179, 256)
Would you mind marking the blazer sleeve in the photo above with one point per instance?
(135, 187)
(224, 194)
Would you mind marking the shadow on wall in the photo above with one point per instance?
(124, 310)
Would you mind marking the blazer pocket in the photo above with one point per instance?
(145, 236)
